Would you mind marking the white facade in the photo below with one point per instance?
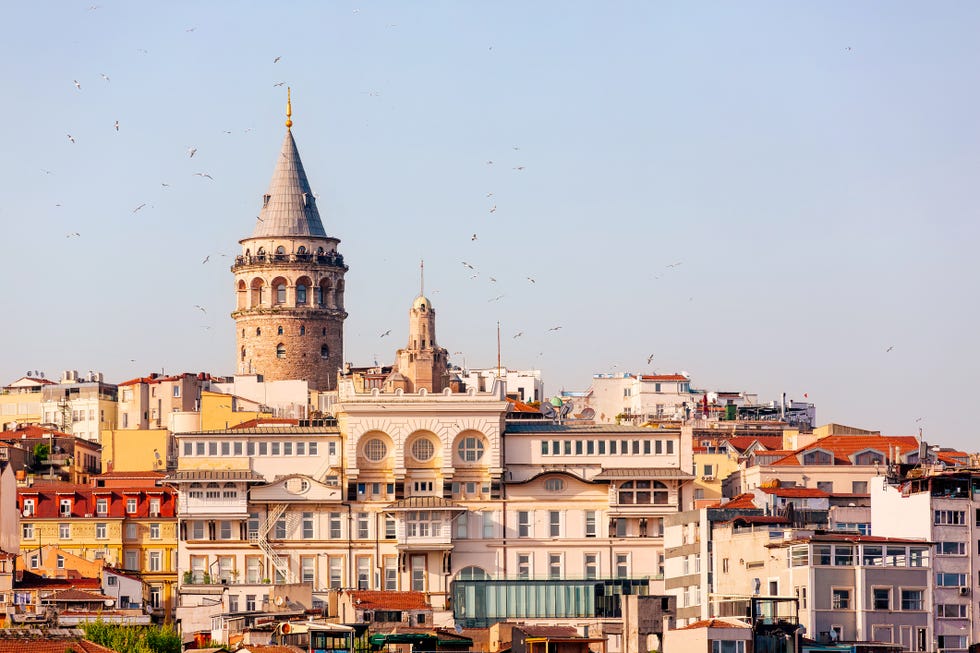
(640, 397)
(525, 384)
(286, 398)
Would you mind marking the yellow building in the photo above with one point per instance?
(20, 401)
(222, 411)
(122, 518)
(133, 450)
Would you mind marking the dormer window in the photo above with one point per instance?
(868, 457)
(818, 457)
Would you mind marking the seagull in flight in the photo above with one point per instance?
(531, 280)
(489, 163)
(649, 359)
(489, 194)
(473, 237)
(276, 60)
(279, 84)
(492, 280)
(519, 168)
(555, 328)
(139, 207)
(259, 219)
(70, 138)
(493, 209)
(165, 184)
(889, 349)
(47, 172)
(468, 265)
(73, 234)
(117, 125)
(206, 259)
(191, 151)
(495, 298)
(77, 85)
(201, 308)
(386, 333)
(674, 265)
(203, 174)
(190, 29)
(104, 76)
(518, 334)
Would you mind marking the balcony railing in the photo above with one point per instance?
(332, 260)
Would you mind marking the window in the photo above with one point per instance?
(951, 548)
(333, 525)
(60, 563)
(913, 600)
(225, 530)
(28, 507)
(250, 603)
(307, 525)
(821, 554)
(279, 529)
(554, 485)
(950, 580)
(301, 297)
(949, 517)
(390, 572)
(524, 565)
(488, 521)
(843, 555)
(727, 646)
(375, 450)
(590, 523)
(554, 523)
(799, 556)
(951, 611)
(232, 600)
(279, 330)
(64, 531)
(155, 561)
(859, 487)
(952, 641)
(65, 508)
(154, 531)
(523, 523)
(362, 526)
(130, 506)
(554, 566)
(825, 486)
(324, 351)
(307, 567)
(470, 449)
(27, 531)
(881, 598)
(840, 599)
(132, 561)
(335, 571)
(390, 527)
(280, 350)
(154, 507)
(873, 556)
(462, 526)
(423, 450)
(591, 566)
(623, 565)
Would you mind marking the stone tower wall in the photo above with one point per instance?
(302, 359)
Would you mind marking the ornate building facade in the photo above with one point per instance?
(289, 280)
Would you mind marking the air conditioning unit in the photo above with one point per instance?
(88, 514)
(964, 591)
(708, 477)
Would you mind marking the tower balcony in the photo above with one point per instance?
(332, 259)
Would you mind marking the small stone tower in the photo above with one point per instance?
(423, 363)
(289, 279)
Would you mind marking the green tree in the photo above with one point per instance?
(133, 639)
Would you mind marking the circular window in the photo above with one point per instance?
(423, 450)
(375, 450)
(470, 449)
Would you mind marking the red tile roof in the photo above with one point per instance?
(76, 595)
(373, 600)
(271, 648)
(715, 623)
(741, 501)
(518, 406)
(663, 377)
(50, 645)
(843, 446)
(768, 442)
(801, 492)
(266, 421)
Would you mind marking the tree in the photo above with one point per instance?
(132, 639)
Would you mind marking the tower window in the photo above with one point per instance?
(324, 330)
(258, 331)
(265, 200)
(300, 294)
(280, 350)
(279, 331)
(302, 330)
(324, 352)
(280, 290)
(243, 353)
(301, 250)
(243, 333)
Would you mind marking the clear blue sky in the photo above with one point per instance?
(812, 166)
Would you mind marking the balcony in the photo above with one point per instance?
(202, 507)
(332, 260)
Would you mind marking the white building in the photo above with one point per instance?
(286, 398)
(525, 385)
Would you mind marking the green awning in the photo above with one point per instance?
(381, 639)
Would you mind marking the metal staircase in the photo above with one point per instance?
(261, 538)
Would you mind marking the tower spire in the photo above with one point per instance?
(422, 278)
(289, 108)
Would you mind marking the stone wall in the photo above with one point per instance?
(302, 358)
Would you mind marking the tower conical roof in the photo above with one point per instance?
(289, 208)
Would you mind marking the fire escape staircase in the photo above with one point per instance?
(261, 538)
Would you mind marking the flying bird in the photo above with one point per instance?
(47, 172)
(489, 163)
(495, 298)
(519, 168)
(206, 259)
(386, 333)
(203, 174)
(191, 151)
(473, 237)
(516, 148)
(279, 84)
(276, 60)
(73, 234)
(492, 280)
(139, 207)
(468, 265)
(70, 139)
(531, 280)
(889, 349)
(165, 184)
(555, 328)
(489, 194)
(117, 125)
(104, 76)
(259, 219)
(190, 29)
(649, 359)
(77, 85)
(201, 308)
(674, 265)
(493, 209)
(518, 334)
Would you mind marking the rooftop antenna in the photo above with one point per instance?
(421, 277)
(498, 349)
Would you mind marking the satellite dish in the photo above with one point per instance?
(588, 413)
(548, 410)
(564, 411)
(109, 602)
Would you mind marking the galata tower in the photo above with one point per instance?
(289, 316)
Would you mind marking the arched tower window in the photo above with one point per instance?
(243, 353)
(242, 294)
(258, 331)
(260, 253)
(279, 330)
(324, 352)
(280, 253)
(302, 329)
(302, 290)
(280, 350)
(258, 285)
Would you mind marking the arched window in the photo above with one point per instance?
(300, 294)
(280, 350)
(243, 353)
(243, 333)
(638, 492)
(279, 330)
(472, 573)
(230, 491)
(470, 449)
(302, 329)
(280, 253)
(660, 494)
(258, 331)
(319, 251)
(423, 450)
(324, 352)
(301, 250)
(279, 291)
(324, 330)
(212, 491)
(260, 253)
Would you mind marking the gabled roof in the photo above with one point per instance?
(844, 446)
(374, 600)
(745, 501)
(289, 208)
(768, 442)
(18, 641)
(76, 596)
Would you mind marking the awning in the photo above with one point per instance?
(618, 473)
(381, 640)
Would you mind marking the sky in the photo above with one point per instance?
(772, 197)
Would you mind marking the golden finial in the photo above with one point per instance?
(289, 109)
